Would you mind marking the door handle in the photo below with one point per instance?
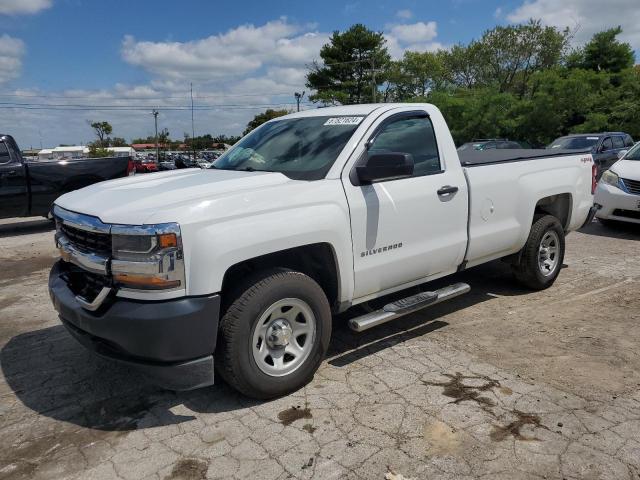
(447, 190)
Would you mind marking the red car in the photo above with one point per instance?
(146, 166)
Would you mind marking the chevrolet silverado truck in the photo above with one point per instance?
(29, 187)
(237, 269)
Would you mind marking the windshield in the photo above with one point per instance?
(574, 143)
(633, 153)
(468, 146)
(300, 148)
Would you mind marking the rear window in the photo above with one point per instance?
(574, 143)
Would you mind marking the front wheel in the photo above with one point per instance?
(542, 256)
(274, 335)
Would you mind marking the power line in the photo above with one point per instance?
(121, 108)
(126, 97)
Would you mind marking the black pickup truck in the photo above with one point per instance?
(29, 187)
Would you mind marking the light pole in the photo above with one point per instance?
(155, 117)
(298, 98)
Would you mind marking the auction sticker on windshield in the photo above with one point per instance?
(344, 121)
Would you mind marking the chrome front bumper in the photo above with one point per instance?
(104, 265)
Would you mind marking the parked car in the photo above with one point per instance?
(604, 147)
(167, 164)
(618, 192)
(28, 187)
(308, 215)
(490, 144)
(146, 165)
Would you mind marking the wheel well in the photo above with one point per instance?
(316, 260)
(557, 205)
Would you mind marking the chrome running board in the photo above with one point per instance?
(407, 305)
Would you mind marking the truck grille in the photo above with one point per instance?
(94, 242)
(633, 186)
(83, 283)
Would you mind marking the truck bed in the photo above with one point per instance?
(474, 158)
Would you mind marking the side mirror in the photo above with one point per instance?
(384, 166)
(622, 153)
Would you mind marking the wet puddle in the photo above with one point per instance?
(290, 415)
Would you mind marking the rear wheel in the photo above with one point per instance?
(274, 334)
(542, 256)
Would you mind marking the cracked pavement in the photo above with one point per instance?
(501, 383)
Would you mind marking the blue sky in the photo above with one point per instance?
(242, 56)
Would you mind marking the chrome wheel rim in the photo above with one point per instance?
(548, 253)
(283, 337)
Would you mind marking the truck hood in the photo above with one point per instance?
(627, 169)
(165, 196)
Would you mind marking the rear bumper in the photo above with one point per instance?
(171, 341)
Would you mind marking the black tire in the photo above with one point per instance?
(234, 357)
(528, 271)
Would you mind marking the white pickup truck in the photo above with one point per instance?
(308, 215)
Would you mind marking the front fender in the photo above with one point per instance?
(211, 250)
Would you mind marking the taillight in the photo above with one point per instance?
(594, 174)
(131, 168)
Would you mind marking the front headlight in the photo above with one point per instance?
(610, 178)
(147, 257)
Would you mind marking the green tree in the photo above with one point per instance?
(605, 53)
(102, 131)
(97, 151)
(117, 142)
(418, 73)
(163, 136)
(228, 139)
(509, 55)
(263, 117)
(349, 64)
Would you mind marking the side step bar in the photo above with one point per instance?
(407, 305)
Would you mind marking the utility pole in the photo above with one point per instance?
(193, 128)
(298, 98)
(154, 112)
(374, 86)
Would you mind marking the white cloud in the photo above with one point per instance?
(235, 74)
(15, 7)
(11, 52)
(417, 36)
(415, 32)
(585, 17)
(239, 51)
(497, 13)
(405, 14)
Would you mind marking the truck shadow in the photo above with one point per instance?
(26, 227)
(54, 376)
(620, 230)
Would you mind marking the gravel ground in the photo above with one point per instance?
(501, 383)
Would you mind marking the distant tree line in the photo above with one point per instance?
(520, 81)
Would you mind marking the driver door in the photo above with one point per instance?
(13, 185)
(406, 230)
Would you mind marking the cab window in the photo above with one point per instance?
(617, 142)
(412, 135)
(4, 153)
(606, 145)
